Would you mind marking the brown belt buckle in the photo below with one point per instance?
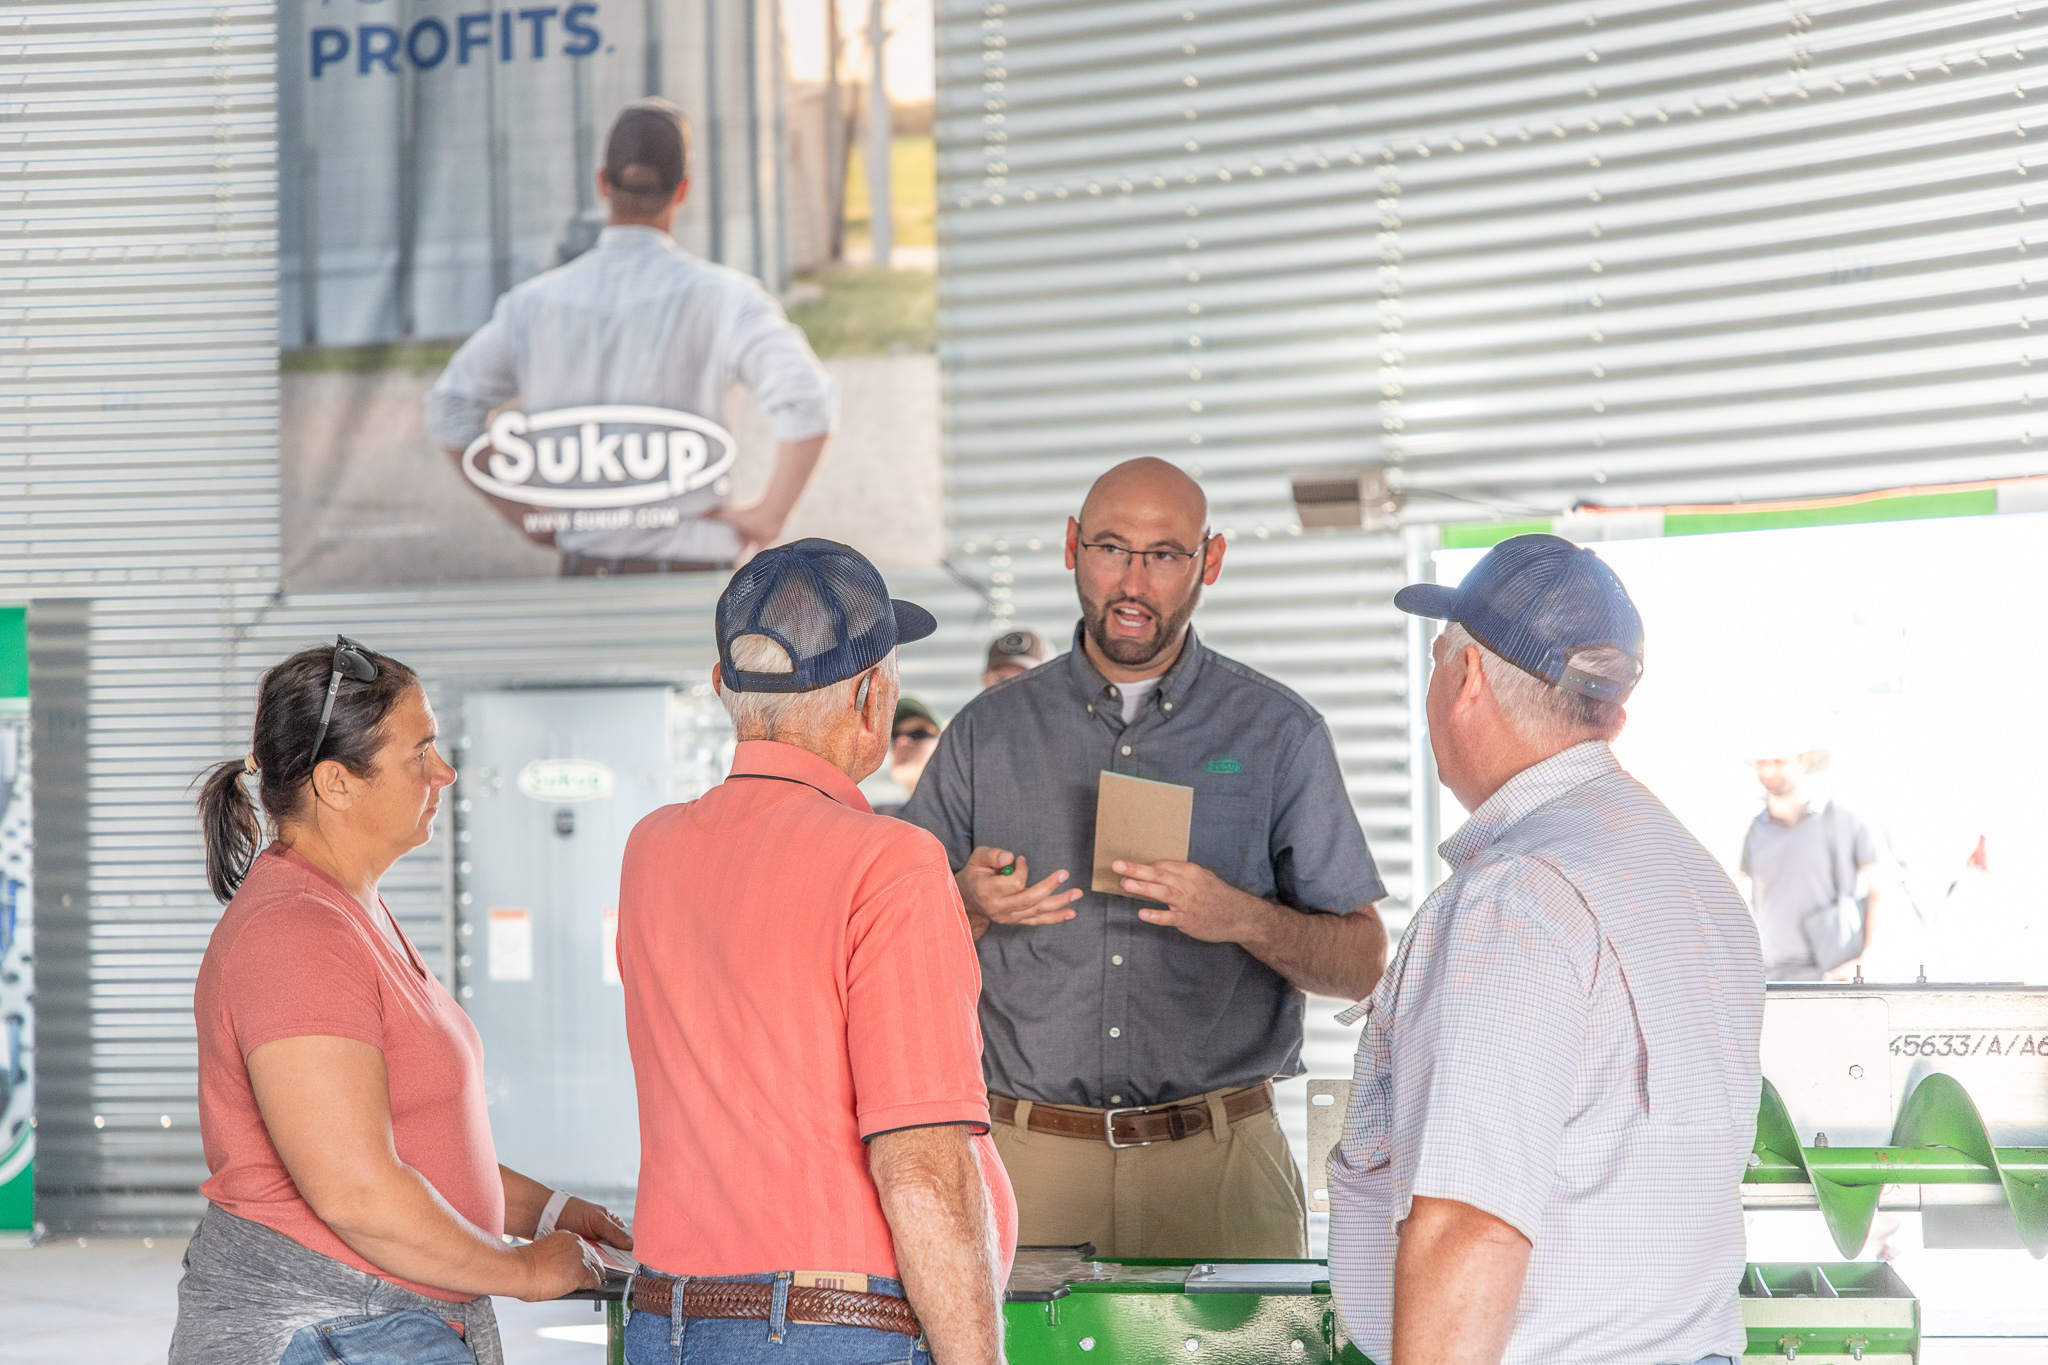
(1109, 1126)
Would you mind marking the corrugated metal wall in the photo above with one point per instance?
(1245, 237)
(1531, 255)
(138, 514)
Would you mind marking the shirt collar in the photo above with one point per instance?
(1088, 684)
(1806, 812)
(771, 758)
(1519, 797)
(618, 235)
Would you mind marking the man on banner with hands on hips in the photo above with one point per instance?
(1131, 1039)
(638, 323)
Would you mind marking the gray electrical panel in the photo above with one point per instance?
(552, 782)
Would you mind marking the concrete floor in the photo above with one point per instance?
(112, 1301)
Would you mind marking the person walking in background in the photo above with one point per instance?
(639, 321)
(1014, 653)
(1133, 1037)
(355, 1205)
(816, 1180)
(1808, 865)
(1566, 1045)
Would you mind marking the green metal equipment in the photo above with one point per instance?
(1939, 1140)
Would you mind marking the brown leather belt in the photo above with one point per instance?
(1139, 1125)
(742, 1299)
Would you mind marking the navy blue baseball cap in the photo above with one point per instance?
(1536, 601)
(825, 604)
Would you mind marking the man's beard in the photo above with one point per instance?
(1166, 630)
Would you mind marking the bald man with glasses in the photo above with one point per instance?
(1132, 1040)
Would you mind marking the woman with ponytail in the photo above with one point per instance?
(356, 1208)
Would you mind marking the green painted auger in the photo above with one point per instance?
(1939, 1140)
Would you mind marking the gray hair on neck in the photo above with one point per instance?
(1542, 713)
(799, 718)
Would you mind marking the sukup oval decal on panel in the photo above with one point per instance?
(558, 780)
(603, 456)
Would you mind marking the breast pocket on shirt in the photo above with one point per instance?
(1227, 831)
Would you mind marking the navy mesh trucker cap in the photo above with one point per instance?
(1535, 601)
(825, 604)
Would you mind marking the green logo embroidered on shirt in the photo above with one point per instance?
(1224, 765)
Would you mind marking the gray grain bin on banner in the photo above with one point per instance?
(433, 153)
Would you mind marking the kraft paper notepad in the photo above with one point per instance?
(1139, 821)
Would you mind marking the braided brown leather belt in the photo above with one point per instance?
(740, 1299)
(1136, 1126)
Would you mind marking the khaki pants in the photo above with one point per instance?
(1231, 1191)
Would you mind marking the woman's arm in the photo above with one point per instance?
(525, 1197)
(327, 1105)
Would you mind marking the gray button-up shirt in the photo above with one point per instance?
(637, 319)
(1105, 1009)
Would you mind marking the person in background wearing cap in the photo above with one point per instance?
(1801, 858)
(1556, 1090)
(1017, 652)
(1133, 1037)
(800, 988)
(638, 320)
(911, 742)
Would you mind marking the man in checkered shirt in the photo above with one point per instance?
(1555, 1095)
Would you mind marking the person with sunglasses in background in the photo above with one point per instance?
(356, 1208)
(1132, 1038)
(911, 741)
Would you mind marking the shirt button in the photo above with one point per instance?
(1126, 751)
(1116, 1099)
(1116, 1033)
(1117, 961)
(1114, 694)
(1166, 706)
(1091, 708)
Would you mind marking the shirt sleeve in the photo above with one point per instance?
(1862, 842)
(480, 376)
(1747, 836)
(943, 802)
(299, 971)
(1320, 861)
(1486, 1050)
(774, 360)
(912, 988)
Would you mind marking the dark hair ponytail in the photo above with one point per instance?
(288, 706)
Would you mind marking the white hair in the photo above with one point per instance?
(1540, 712)
(799, 718)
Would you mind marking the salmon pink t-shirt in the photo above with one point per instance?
(294, 955)
(799, 976)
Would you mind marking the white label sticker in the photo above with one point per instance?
(558, 780)
(610, 952)
(511, 945)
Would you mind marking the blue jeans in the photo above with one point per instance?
(652, 1340)
(409, 1338)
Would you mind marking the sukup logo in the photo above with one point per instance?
(606, 456)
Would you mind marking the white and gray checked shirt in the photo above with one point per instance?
(638, 320)
(1567, 1040)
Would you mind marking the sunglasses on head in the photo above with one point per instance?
(353, 660)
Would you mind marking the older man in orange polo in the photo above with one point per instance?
(801, 987)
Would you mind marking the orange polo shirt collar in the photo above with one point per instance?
(772, 759)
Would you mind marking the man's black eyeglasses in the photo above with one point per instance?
(1158, 563)
(349, 658)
